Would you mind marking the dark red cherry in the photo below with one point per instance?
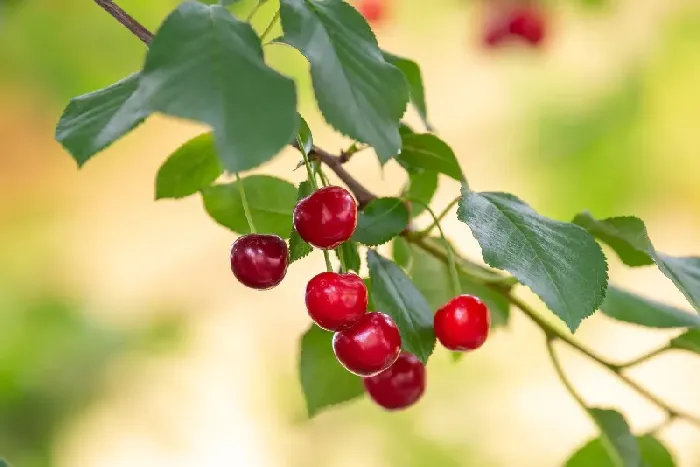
(327, 217)
(259, 261)
(528, 23)
(372, 10)
(369, 346)
(335, 301)
(400, 385)
(462, 323)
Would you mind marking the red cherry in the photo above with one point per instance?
(529, 24)
(259, 261)
(369, 346)
(372, 10)
(400, 385)
(327, 217)
(462, 323)
(335, 301)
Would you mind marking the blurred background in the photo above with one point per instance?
(125, 340)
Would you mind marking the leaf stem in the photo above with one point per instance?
(645, 357)
(270, 25)
(244, 201)
(556, 363)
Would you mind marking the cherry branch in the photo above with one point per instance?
(126, 20)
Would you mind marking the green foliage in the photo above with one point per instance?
(358, 92)
(380, 221)
(631, 308)
(298, 248)
(422, 185)
(411, 71)
(594, 453)
(350, 255)
(402, 253)
(393, 293)
(426, 151)
(560, 262)
(206, 65)
(689, 340)
(271, 201)
(191, 168)
(92, 122)
(629, 234)
(324, 381)
(618, 441)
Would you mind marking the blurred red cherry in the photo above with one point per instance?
(373, 10)
(528, 23)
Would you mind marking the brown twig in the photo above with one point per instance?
(126, 20)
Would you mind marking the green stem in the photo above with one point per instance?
(244, 201)
(425, 232)
(309, 173)
(327, 257)
(454, 277)
(645, 357)
(322, 176)
(341, 258)
(270, 25)
(253, 11)
(562, 375)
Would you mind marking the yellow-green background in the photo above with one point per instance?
(125, 341)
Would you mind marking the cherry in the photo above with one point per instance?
(327, 217)
(335, 301)
(529, 24)
(369, 346)
(400, 385)
(259, 261)
(462, 323)
(372, 10)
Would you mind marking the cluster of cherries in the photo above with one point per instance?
(366, 344)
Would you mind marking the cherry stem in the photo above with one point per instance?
(425, 232)
(309, 173)
(327, 257)
(454, 277)
(270, 25)
(559, 369)
(244, 201)
(341, 258)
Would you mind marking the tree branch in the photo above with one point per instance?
(126, 20)
(335, 163)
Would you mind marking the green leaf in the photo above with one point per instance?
(93, 121)
(192, 167)
(402, 253)
(4, 463)
(271, 201)
(617, 439)
(560, 262)
(689, 340)
(380, 221)
(351, 256)
(411, 72)
(627, 235)
(421, 186)
(631, 308)
(593, 453)
(304, 137)
(324, 381)
(206, 65)
(432, 279)
(370, 303)
(298, 248)
(358, 92)
(393, 293)
(427, 151)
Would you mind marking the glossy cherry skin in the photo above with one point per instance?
(369, 346)
(399, 386)
(462, 323)
(372, 10)
(335, 301)
(529, 24)
(327, 217)
(259, 261)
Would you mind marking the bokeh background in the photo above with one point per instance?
(125, 341)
